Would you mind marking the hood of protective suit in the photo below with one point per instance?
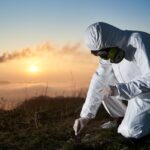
(102, 35)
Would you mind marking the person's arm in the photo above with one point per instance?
(139, 85)
(134, 88)
(94, 98)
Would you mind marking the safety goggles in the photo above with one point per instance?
(115, 54)
(103, 53)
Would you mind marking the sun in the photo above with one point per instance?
(33, 68)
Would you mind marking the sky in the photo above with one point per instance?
(43, 40)
(29, 22)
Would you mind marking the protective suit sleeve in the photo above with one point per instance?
(94, 98)
(134, 88)
(141, 84)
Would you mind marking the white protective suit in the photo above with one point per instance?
(131, 77)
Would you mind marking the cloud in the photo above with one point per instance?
(4, 82)
(71, 48)
(27, 52)
(47, 47)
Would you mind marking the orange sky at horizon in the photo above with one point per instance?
(49, 63)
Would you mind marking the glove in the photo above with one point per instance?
(109, 91)
(79, 124)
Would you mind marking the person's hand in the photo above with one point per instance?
(79, 124)
(109, 91)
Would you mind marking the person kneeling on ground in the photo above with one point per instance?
(123, 74)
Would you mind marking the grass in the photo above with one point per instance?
(44, 123)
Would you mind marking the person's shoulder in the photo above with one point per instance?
(135, 39)
(135, 35)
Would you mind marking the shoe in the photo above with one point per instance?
(109, 125)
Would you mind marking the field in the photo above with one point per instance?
(43, 123)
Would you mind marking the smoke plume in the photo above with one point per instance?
(47, 47)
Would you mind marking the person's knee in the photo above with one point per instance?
(130, 132)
